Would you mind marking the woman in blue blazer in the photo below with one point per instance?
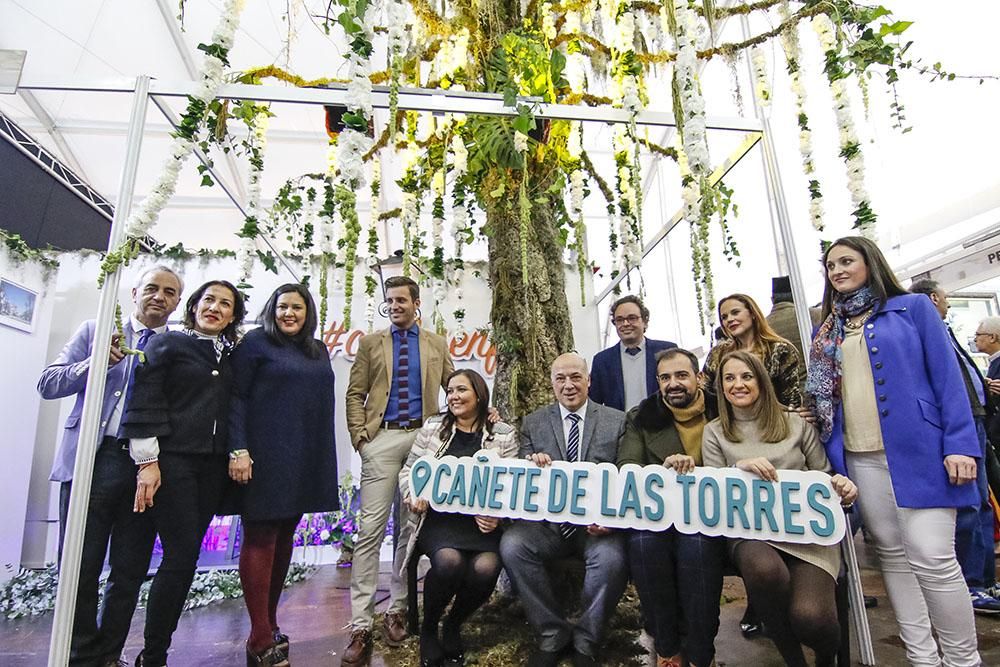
(894, 416)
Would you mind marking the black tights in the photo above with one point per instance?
(467, 576)
(795, 600)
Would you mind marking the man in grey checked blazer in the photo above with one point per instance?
(571, 429)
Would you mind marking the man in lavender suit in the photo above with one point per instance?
(98, 638)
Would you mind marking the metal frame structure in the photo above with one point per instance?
(144, 89)
(38, 154)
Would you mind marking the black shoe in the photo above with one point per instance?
(870, 601)
(454, 648)
(431, 654)
(540, 658)
(140, 661)
(584, 660)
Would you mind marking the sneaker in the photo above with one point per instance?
(994, 591)
(983, 602)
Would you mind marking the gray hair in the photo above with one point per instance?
(990, 325)
(156, 269)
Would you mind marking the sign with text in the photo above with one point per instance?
(800, 507)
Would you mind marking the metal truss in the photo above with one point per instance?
(38, 154)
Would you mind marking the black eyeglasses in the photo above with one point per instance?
(631, 319)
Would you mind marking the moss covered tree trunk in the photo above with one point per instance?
(530, 313)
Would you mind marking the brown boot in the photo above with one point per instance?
(359, 651)
(394, 628)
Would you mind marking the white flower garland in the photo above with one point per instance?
(694, 157)
(850, 145)
(762, 86)
(790, 45)
(258, 142)
(459, 221)
(212, 72)
(371, 233)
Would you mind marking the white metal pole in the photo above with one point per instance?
(90, 421)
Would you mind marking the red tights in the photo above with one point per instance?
(265, 555)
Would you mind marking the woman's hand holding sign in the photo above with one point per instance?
(759, 466)
(845, 488)
(417, 505)
(487, 524)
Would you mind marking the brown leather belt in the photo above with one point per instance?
(403, 426)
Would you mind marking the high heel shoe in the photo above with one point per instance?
(281, 642)
(272, 657)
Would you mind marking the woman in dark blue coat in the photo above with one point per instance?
(282, 449)
(894, 416)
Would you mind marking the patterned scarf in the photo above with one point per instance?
(826, 358)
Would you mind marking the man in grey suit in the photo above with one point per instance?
(572, 429)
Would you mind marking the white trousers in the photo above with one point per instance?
(916, 548)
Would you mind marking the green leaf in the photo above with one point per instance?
(206, 181)
(896, 28)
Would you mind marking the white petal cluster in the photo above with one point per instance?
(762, 85)
(145, 215)
(575, 72)
(244, 258)
(453, 54)
(630, 99)
(571, 22)
(459, 156)
(624, 39)
(397, 22)
(692, 103)
(577, 182)
(574, 142)
(520, 142)
(351, 148)
(548, 22)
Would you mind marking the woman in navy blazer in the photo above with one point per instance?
(176, 418)
(894, 416)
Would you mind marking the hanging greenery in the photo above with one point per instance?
(529, 178)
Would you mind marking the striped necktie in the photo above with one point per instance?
(572, 454)
(403, 378)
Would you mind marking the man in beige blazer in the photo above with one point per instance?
(394, 386)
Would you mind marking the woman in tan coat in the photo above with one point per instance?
(464, 550)
(790, 585)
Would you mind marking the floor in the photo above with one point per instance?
(316, 612)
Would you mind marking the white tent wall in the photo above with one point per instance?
(24, 353)
(72, 298)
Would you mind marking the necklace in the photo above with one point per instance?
(854, 325)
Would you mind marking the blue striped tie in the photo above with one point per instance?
(572, 454)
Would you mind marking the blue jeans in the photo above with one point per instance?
(974, 527)
(679, 580)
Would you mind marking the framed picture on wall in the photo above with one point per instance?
(17, 305)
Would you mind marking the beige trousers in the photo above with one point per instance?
(381, 460)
